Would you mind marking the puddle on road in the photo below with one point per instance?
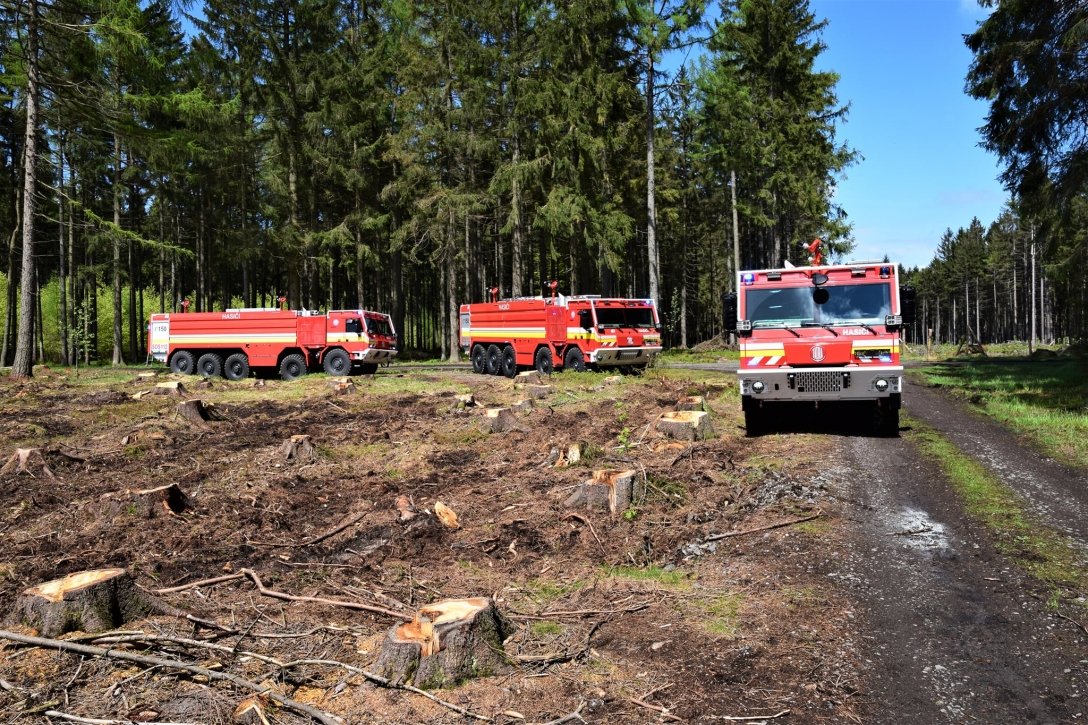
(916, 530)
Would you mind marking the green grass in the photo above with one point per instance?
(1043, 553)
(670, 578)
(546, 629)
(719, 615)
(1045, 401)
(702, 356)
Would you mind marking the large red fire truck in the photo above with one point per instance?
(818, 335)
(291, 342)
(557, 331)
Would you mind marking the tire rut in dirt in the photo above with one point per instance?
(954, 632)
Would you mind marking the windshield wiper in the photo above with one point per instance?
(824, 325)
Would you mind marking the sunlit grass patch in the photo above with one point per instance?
(668, 578)
(1045, 554)
(719, 615)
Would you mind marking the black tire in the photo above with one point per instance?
(182, 362)
(543, 361)
(479, 359)
(368, 368)
(885, 420)
(509, 361)
(292, 367)
(336, 362)
(574, 360)
(210, 365)
(494, 360)
(755, 422)
(236, 367)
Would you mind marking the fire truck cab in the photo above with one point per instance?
(820, 334)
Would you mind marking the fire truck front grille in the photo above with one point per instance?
(819, 382)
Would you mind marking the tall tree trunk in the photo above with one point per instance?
(23, 365)
(118, 357)
(517, 265)
(11, 308)
(62, 281)
(651, 200)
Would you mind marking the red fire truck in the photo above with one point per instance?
(545, 333)
(817, 335)
(290, 342)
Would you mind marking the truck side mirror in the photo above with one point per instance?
(729, 311)
(585, 319)
(907, 304)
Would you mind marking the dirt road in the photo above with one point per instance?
(954, 632)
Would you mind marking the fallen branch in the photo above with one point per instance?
(141, 637)
(576, 715)
(582, 612)
(333, 532)
(588, 523)
(665, 714)
(779, 525)
(285, 702)
(1070, 619)
(95, 721)
(379, 680)
(243, 573)
(738, 718)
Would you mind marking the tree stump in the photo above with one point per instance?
(500, 420)
(197, 413)
(173, 388)
(524, 405)
(528, 377)
(29, 461)
(613, 380)
(447, 643)
(88, 601)
(298, 448)
(149, 503)
(342, 386)
(536, 391)
(468, 400)
(686, 425)
(608, 489)
(691, 402)
(250, 711)
(405, 510)
(145, 377)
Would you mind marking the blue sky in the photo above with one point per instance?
(902, 65)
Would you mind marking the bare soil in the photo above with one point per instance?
(891, 606)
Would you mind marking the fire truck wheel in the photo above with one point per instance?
(210, 365)
(755, 422)
(236, 367)
(885, 421)
(182, 362)
(479, 359)
(544, 363)
(575, 360)
(509, 361)
(292, 367)
(336, 362)
(494, 360)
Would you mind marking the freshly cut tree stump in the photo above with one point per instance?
(529, 377)
(151, 502)
(524, 405)
(468, 400)
(146, 377)
(536, 391)
(29, 461)
(447, 643)
(197, 412)
(686, 425)
(342, 386)
(692, 402)
(174, 388)
(250, 711)
(88, 601)
(608, 489)
(500, 420)
(405, 510)
(298, 448)
(613, 380)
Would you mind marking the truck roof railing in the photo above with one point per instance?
(253, 309)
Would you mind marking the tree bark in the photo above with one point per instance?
(89, 601)
(23, 365)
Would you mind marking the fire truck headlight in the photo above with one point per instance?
(880, 384)
(758, 386)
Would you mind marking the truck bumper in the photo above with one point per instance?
(616, 356)
(838, 383)
(374, 355)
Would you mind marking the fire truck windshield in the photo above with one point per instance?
(625, 317)
(379, 326)
(827, 305)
